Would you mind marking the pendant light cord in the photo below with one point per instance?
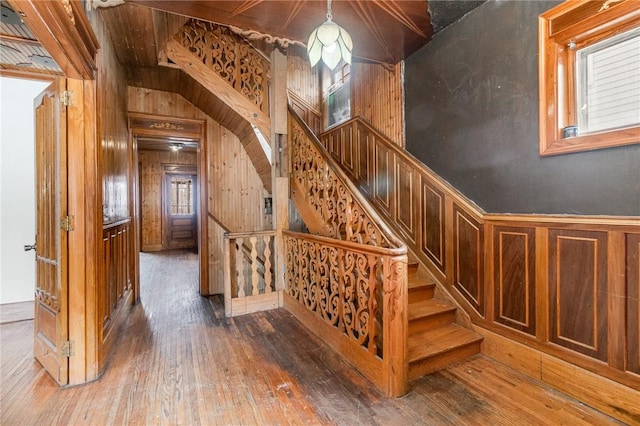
(329, 16)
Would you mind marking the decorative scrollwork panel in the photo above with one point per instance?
(331, 199)
(343, 287)
(230, 57)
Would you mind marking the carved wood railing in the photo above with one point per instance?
(354, 297)
(227, 54)
(349, 285)
(510, 273)
(249, 284)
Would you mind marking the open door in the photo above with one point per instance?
(51, 326)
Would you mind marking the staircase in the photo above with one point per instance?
(435, 339)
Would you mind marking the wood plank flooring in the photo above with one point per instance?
(19, 311)
(179, 361)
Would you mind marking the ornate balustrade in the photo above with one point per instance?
(354, 296)
(348, 285)
(230, 57)
(249, 284)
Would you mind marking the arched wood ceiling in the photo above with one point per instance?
(382, 30)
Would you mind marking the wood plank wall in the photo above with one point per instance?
(114, 164)
(566, 286)
(303, 87)
(151, 175)
(236, 194)
(377, 95)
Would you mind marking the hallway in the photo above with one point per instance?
(179, 361)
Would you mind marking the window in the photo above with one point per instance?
(589, 76)
(181, 195)
(337, 97)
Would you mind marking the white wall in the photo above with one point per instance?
(17, 192)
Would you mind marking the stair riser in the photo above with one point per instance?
(420, 294)
(431, 322)
(441, 360)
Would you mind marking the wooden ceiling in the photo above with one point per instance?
(382, 30)
(385, 31)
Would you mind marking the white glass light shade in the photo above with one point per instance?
(330, 42)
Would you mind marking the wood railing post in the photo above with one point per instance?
(239, 266)
(395, 326)
(268, 273)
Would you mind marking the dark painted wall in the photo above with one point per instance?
(472, 116)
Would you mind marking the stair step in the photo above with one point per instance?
(412, 268)
(435, 349)
(430, 314)
(420, 289)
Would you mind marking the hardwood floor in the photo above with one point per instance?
(179, 361)
(12, 312)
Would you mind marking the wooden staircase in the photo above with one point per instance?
(435, 339)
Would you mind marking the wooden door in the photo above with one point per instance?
(51, 298)
(180, 211)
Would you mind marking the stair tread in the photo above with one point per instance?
(428, 307)
(440, 340)
(419, 282)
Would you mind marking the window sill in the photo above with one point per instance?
(627, 136)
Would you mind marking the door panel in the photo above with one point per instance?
(51, 314)
(180, 208)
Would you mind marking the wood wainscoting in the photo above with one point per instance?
(116, 294)
(564, 287)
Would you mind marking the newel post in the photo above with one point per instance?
(395, 326)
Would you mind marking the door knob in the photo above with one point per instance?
(29, 247)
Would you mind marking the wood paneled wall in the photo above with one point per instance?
(235, 191)
(115, 169)
(116, 292)
(566, 286)
(151, 185)
(377, 95)
(113, 132)
(302, 79)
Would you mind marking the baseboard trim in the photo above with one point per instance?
(610, 397)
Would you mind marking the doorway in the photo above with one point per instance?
(170, 200)
(180, 208)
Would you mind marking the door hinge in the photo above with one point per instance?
(67, 349)
(66, 223)
(65, 97)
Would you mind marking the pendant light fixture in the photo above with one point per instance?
(330, 42)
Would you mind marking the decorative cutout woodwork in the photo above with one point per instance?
(343, 216)
(514, 278)
(344, 285)
(230, 57)
(578, 291)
